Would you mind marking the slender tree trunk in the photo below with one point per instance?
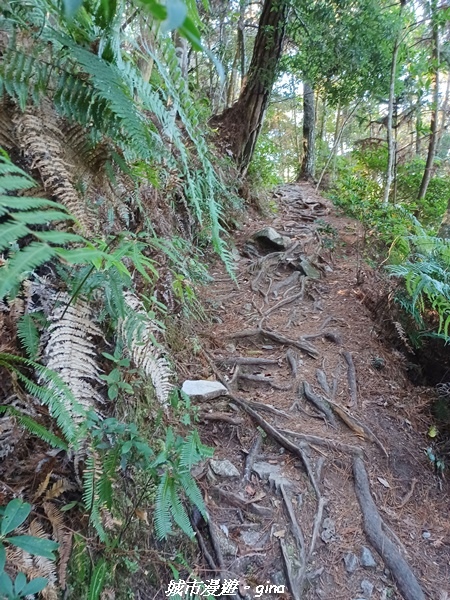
(444, 110)
(390, 124)
(435, 114)
(309, 151)
(323, 118)
(240, 125)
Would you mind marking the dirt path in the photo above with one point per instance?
(300, 354)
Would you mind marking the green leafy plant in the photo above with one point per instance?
(11, 517)
(114, 379)
(426, 279)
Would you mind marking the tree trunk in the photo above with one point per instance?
(240, 125)
(389, 125)
(309, 151)
(435, 114)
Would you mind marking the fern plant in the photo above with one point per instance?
(426, 280)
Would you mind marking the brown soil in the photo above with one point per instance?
(411, 499)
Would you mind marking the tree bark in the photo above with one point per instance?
(435, 114)
(309, 150)
(390, 124)
(240, 125)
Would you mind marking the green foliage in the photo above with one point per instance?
(62, 404)
(116, 445)
(429, 210)
(35, 428)
(427, 284)
(12, 516)
(20, 216)
(263, 171)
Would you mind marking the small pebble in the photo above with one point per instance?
(351, 562)
(367, 559)
(426, 535)
(367, 587)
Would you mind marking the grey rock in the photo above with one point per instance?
(367, 587)
(203, 389)
(271, 472)
(351, 562)
(309, 270)
(270, 236)
(367, 559)
(228, 548)
(426, 535)
(224, 468)
(329, 530)
(251, 538)
(278, 578)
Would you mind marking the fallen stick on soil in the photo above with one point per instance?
(320, 403)
(283, 303)
(329, 335)
(266, 380)
(245, 360)
(351, 374)
(394, 561)
(268, 408)
(253, 453)
(328, 443)
(301, 344)
(218, 416)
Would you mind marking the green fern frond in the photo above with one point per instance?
(28, 335)
(35, 428)
(163, 521)
(61, 402)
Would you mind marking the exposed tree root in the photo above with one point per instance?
(253, 453)
(373, 527)
(301, 344)
(351, 374)
(320, 403)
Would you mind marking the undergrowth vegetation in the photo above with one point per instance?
(402, 234)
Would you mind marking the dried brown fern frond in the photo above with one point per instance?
(71, 352)
(43, 142)
(64, 538)
(34, 566)
(402, 335)
(144, 350)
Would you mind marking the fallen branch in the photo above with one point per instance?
(218, 416)
(373, 527)
(267, 380)
(301, 344)
(244, 360)
(351, 374)
(283, 303)
(324, 442)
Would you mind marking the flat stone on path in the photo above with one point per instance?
(203, 389)
(224, 468)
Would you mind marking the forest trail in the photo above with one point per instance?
(301, 355)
